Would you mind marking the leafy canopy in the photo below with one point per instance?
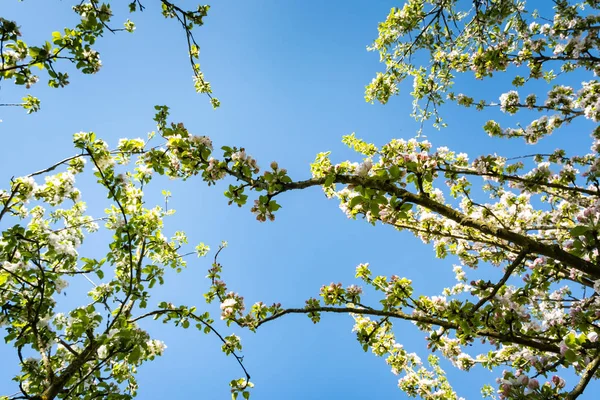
(535, 218)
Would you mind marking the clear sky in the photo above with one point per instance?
(290, 76)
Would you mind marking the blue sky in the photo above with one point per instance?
(290, 76)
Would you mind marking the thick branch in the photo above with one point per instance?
(505, 338)
(551, 251)
(585, 379)
(59, 383)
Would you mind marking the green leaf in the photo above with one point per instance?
(134, 354)
(273, 206)
(329, 180)
(579, 230)
(406, 207)
(571, 340)
(356, 201)
(375, 209)
(570, 355)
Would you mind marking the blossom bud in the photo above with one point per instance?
(523, 380)
(533, 384)
(563, 347)
(558, 381)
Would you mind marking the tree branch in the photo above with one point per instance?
(585, 379)
(535, 246)
(180, 312)
(424, 319)
(509, 270)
